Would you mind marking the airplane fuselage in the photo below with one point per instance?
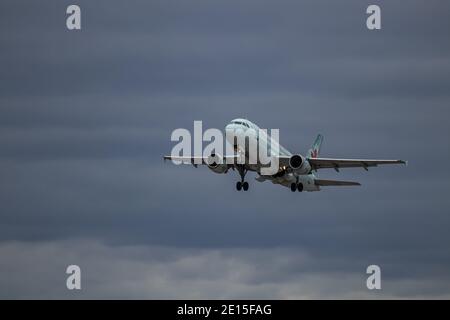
(244, 129)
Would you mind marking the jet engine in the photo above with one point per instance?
(216, 163)
(299, 164)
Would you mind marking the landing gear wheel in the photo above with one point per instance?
(299, 187)
(293, 187)
(242, 184)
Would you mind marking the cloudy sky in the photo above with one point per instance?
(85, 117)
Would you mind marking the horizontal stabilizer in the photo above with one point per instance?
(322, 163)
(320, 182)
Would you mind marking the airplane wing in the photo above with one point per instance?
(323, 163)
(195, 160)
(188, 160)
(321, 182)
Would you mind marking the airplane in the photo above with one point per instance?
(295, 171)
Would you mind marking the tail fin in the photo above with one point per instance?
(315, 149)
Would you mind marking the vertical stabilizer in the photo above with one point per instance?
(315, 149)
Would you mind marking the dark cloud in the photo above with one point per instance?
(85, 118)
(146, 272)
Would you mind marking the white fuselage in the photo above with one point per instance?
(237, 131)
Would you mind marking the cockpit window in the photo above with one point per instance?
(241, 123)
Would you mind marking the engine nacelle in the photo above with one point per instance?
(299, 164)
(216, 164)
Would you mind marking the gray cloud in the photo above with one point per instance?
(165, 272)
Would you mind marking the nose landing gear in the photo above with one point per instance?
(242, 185)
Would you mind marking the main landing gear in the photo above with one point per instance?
(297, 186)
(242, 185)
